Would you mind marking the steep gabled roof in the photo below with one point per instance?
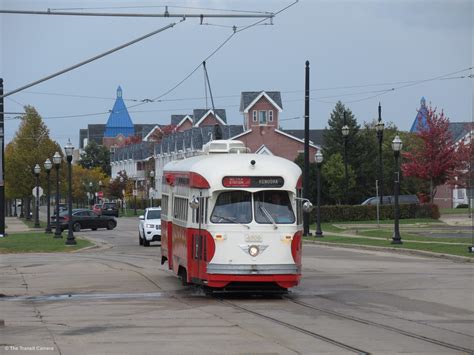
(460, 129)
(177, 120)
(249, 98)
(119, 121)
(200, 114)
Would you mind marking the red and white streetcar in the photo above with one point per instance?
(233, 219)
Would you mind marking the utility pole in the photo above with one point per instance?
(2, 164)
(306, 150)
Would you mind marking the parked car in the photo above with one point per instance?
(84, 219)
(390, 200)
(62, 207)
(97, 208)
(149, 228)
(110, 209)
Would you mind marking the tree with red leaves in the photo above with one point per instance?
(434, 157)
(132, 140)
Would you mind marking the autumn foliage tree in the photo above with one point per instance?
(434, 157)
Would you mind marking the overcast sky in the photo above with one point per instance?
(361, 48)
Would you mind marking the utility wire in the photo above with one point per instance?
(90, 60)
(78, 96)
(158, 7)
(318, 98)
(233, 96)
(108, 14)
(209, 56)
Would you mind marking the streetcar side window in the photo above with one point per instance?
(164, 205)
(273, 206)
(200, 214)
(233, 207)
(180, 208)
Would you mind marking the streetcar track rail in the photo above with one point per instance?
(299, 329)
(383, 326)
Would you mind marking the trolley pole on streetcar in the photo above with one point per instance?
(306, 150)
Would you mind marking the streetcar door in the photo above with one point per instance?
(199, 256)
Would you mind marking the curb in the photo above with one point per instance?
(96, 245)
(394, 250)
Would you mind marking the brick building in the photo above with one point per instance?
(260, 132)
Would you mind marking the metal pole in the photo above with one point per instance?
(306, 150)
(37, 224)
(345, 162)
(70, 235)
(396, 239)
(2, 163)
(319, 233)
(48, 199)
(57, 232)
(380, 137)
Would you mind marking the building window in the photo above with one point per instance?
(270, 116)
(254, 116)
(262, 117)
(460, 194)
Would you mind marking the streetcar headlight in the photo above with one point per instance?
(253, 250)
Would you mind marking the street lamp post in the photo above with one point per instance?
(100, 190)
(345, 135)
(319, 159)
(135, 198)
(57, 164)
(397, 147)
(47, 166)
(91, 189)
(69, 149)
(379, 128)
(123, 194)
(152, 182)
(36, 171)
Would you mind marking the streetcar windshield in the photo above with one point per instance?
(233, 207)
(271, 207)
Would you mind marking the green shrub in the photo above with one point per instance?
(462, 205)
(342, 213)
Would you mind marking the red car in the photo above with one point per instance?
(97, 208)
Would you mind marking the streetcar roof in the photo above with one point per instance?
(214, 167)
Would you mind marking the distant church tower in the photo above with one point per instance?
(420, 116)
(119, 125)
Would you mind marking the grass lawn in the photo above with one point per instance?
(460, 250)
(460, 211)
(34, 242)
(131, 213)
(391, 221)
(387, 234)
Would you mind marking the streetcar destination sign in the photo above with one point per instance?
(253, 181)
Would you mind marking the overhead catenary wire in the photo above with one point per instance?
(91, 59)
(318, 98)
(157, 6)
(117, 14)
(233, 96)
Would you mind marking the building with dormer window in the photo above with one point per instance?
(261, 113)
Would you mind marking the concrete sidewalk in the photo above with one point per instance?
(15, 225)
(457, 219)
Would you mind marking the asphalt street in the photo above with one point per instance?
(118, 299)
